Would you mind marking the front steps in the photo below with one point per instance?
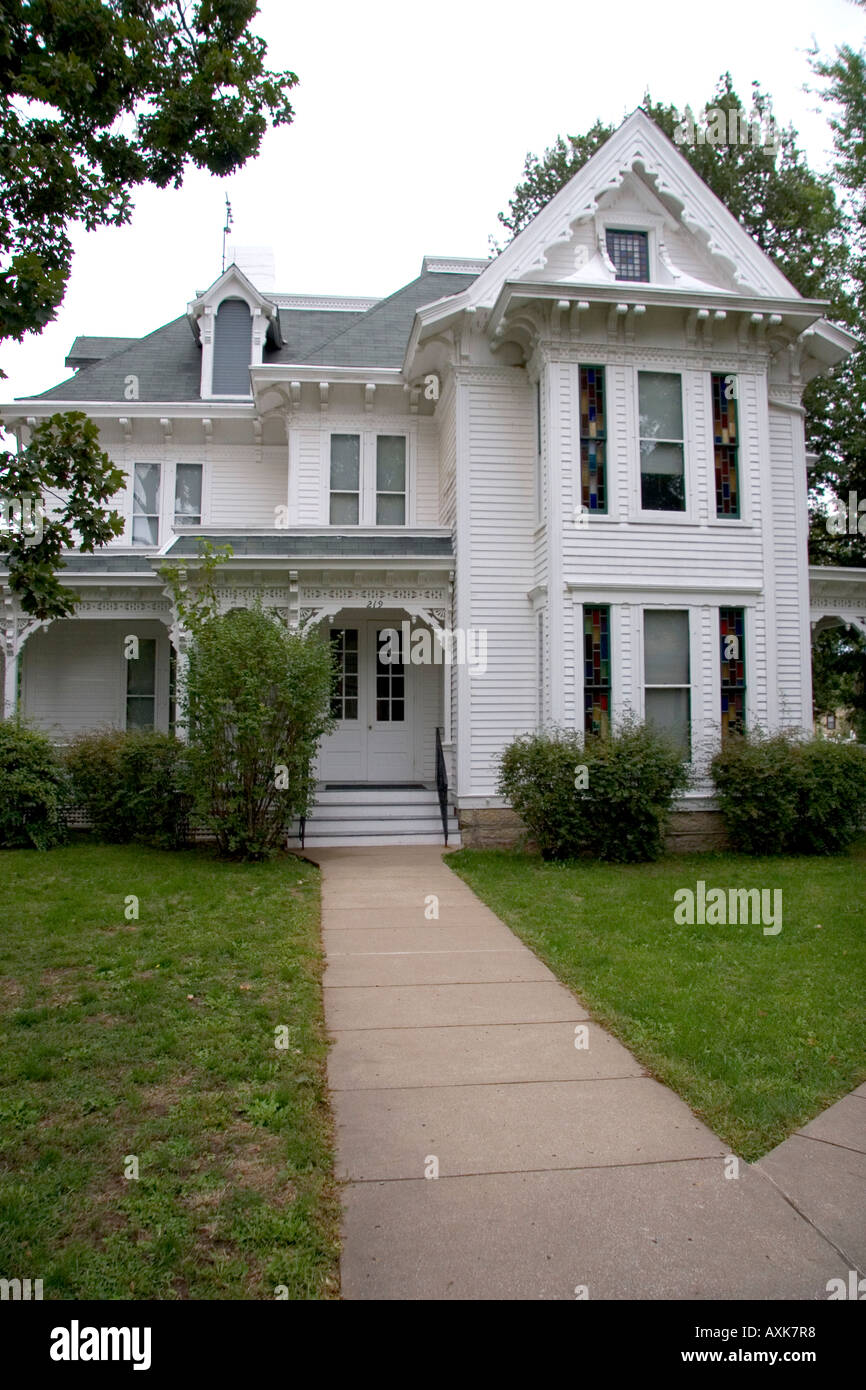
(370, 815)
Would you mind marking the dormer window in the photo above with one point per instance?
(629, 252)
(232, 354)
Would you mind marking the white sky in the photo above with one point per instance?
(412, 124)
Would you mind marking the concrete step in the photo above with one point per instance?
(363, 840)
(377, 825)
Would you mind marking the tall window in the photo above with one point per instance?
(732, 639)
(141, 686)
(391, 480)
(187, 494)
(662, 457)
(145, 504)
(629, 252)
(390, 681)
(344, 691)
(232, 349)
(593, 437)
(345, 479)
(596, 669)
(725, 445)
(667, 678)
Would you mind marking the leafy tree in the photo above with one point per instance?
(839, 675)
(95, 100)
(837, 402)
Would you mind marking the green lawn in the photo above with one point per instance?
(155, 1038)
(757, 1033)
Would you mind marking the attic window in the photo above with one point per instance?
(232, 349)
(629, 252)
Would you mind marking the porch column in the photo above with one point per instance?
(10, 680)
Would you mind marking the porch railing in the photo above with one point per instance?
(442, 784)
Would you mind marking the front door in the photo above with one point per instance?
(389, 705)
(373, 704)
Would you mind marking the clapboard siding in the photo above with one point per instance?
(789, 569)
(247, 487)
(73, 675)
(500, 500)
(427, 475)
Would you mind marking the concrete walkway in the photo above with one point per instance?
(560, 1168)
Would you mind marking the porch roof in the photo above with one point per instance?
(324, 544)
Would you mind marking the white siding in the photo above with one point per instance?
(500, 500)
(74, 675)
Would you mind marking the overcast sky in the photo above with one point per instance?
(412, 124)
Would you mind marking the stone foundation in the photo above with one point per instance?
(490, 827)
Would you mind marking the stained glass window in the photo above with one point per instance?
(596, 669)
(732, 639)
(725, 445)
(593, 437)
(629, 252)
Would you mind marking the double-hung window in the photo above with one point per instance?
(667, 678)
(145, 504)
(368, 480)
(391, 480)
(345, 479)
(662, 453)
(187, 494)
(141, 686)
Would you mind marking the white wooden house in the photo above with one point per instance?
(582, 464)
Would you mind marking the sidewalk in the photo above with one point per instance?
(560, 1168)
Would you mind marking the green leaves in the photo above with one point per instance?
(127, 94)
(64, 465)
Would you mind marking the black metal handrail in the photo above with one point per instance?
(442, 784)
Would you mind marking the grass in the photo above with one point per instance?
(155, 1039)
(757, 1033)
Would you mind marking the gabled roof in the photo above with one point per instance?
(638, 146)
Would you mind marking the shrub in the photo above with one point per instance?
(34, 791)
(619, 815)
(257, 700)
(786, 795)
(130, 784)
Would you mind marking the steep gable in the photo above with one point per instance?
(638, 177)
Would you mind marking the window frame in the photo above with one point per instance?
(671, 685)
(385, 492)
(153, 696)
(603, 438)
(686, 512)
(178, 519)
(367, 475)
(157, 515)
(588, 686)
(611, 229)
(726, 688)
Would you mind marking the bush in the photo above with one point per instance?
(785, 795)
(34, 790)
(131, 785)
(257, 700)
(621, 812)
